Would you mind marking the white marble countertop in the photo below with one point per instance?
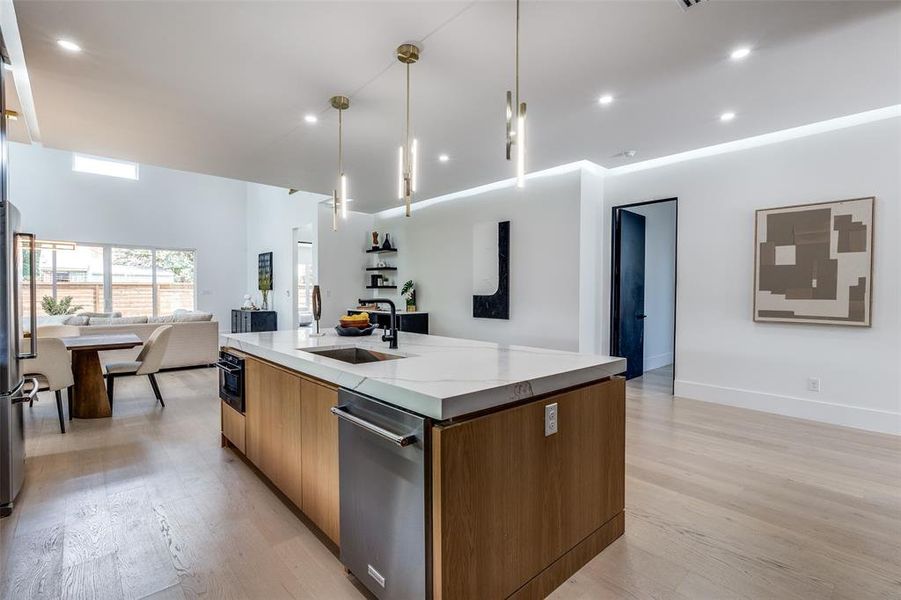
(439, 377)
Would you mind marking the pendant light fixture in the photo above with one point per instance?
(339, 195)
(408, 54)
(516, 118)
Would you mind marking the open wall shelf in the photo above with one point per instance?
(381, 268)
(380, 250)
(381, 287)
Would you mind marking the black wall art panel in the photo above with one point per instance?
(497, 305)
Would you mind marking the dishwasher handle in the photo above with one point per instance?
(400, 440)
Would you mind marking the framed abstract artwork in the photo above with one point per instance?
(491, 270)
(813, 263)
(264, 271)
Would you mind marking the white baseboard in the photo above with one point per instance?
(803, 408)
(657, 361)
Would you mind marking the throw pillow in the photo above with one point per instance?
(128, 320)
(102, 315)
(162, 319)
(189, 317)
(76, 320)
(117, 320)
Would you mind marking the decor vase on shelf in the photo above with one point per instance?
(375, 240)
(265, 303)
(386, 245)
(409, 294)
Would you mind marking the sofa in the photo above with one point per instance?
(194, 340)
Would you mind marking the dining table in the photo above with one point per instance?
(89, 399)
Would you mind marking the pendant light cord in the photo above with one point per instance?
(340, 146)
(516, 55)
(407, 143)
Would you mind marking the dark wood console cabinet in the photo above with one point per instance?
(247, 321)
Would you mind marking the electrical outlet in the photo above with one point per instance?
(550, 419)
(813, 384)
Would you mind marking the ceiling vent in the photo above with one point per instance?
(686, 4)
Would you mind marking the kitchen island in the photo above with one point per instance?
(520, 473)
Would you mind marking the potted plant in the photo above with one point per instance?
(52, 306)
(409, 294)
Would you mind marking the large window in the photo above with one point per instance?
(103, 278)
(174, 280)
(132, 281)
(67, 270)
(79, 273)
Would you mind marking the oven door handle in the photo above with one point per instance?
(400, 440)
(224, 366)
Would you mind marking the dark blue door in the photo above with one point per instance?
(630, 268)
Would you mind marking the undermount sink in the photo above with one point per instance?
(352, 354)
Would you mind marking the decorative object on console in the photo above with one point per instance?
(264, 276)
(813, 263)
(409, 294)
(491, 271)
(317, 309)
(248, 303)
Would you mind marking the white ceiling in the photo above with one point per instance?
(222, 87)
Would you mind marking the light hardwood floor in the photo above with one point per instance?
(721, 503)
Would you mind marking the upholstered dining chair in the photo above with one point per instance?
(53, 369)
(147, 363)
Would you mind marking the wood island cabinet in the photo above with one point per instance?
(514, 512)
(319, 449)
(292, 438)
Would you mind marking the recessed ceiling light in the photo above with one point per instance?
(68, 45)
(727, 116)
(443, 157)
(740, 53)
(605, 99)
(310, 118)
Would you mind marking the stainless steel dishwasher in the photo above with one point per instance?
(384, 456)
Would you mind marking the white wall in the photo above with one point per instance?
(340, 257)
(722, 355)
(592, 221)
(275, 222)
(435, 250)
(659, 282)
(164, 208)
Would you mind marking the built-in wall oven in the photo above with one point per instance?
(231, 379)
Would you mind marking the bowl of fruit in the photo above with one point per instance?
(354, 325)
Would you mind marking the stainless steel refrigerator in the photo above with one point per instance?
(18, 317)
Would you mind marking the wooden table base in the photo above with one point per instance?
(90, 399)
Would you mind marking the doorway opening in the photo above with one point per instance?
(643, 287)
(303, 294)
